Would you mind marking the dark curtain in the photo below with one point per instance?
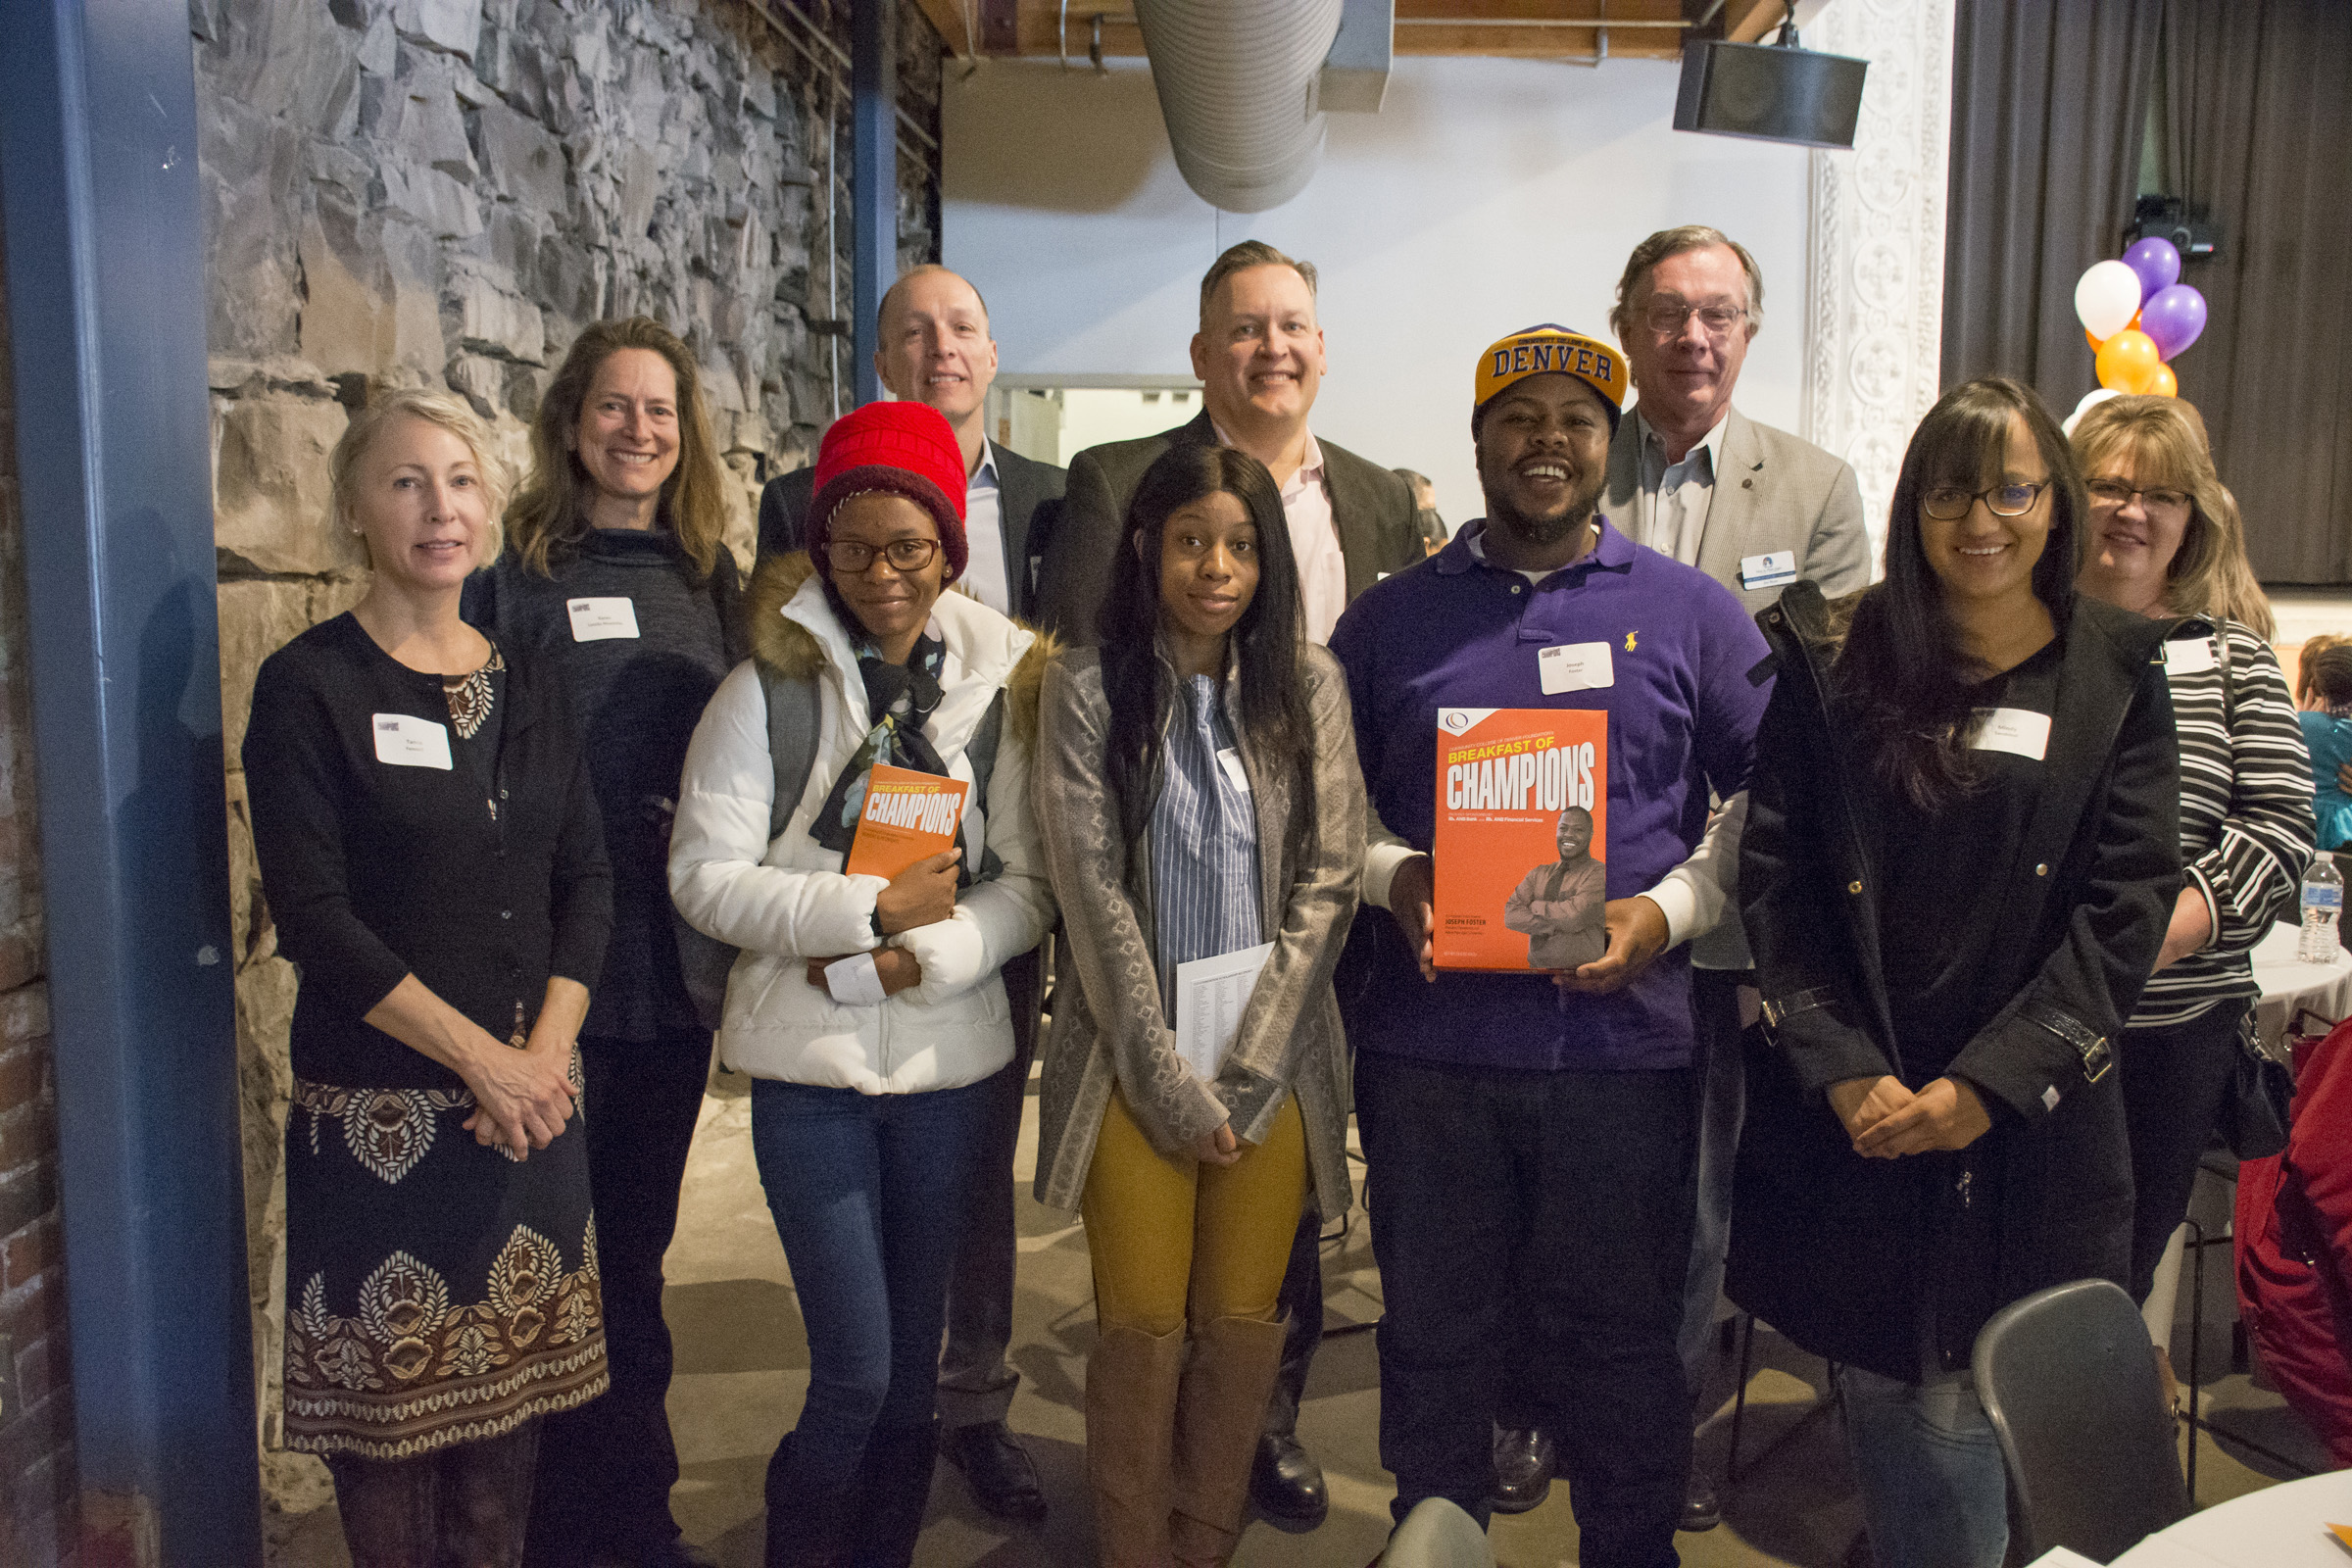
(2049, 110)
(2258, 113)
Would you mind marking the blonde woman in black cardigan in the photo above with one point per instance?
(433, 862)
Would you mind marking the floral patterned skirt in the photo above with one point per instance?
(437, 1291)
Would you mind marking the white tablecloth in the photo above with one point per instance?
(2284, 1525)
(2287, 984)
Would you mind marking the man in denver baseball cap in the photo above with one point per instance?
(1534, 1141)
(1550, 350)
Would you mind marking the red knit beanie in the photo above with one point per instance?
(908, 449)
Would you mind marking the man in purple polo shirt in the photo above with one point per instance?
(1531, 1134)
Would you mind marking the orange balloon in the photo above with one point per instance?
(2096, 343)
(2164, 383)
(2129, 362)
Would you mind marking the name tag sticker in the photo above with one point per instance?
(2190, 655)
(1230, 760)
(593, 621)
(1575, 667)
(1770, 570)
(2019, 731)
(405, 741)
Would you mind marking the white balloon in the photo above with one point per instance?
(2090, 400)
(2106, 297)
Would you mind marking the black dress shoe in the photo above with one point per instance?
(1286, 1482)
(1523, 1465)
(1701, 1509)
(995, 1467)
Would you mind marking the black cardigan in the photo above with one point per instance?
(1894, 1264)
(375, 871)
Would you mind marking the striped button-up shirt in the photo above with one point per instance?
(1205, 897)
(2245, 811)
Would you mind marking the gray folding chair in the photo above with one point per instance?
(2067, 1377)
(1437, 1533)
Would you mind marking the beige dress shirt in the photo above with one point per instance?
(1314, 542)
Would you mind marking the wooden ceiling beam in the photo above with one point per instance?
(1511, 28)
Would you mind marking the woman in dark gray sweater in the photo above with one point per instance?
(615, 576)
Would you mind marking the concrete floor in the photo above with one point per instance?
(742, 1368)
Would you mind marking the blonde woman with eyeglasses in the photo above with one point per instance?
(2165, 541)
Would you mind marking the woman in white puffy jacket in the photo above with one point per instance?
(869, 1012)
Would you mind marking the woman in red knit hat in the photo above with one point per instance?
(868, 1012)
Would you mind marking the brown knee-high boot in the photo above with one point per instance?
(1219, 1407)
(1131, 1383)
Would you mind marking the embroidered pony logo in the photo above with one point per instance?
(1629, 642)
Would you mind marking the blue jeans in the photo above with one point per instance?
(1935, 1493)
(868, 1196)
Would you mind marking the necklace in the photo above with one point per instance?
(469, 696)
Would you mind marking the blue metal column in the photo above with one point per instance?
(106, 315)
(873, 176)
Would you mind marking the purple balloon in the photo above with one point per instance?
(2156, 262)
(2173, 318)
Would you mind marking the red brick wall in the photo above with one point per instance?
(38, 1513)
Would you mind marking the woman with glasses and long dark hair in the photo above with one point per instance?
(1961, 852)
(2165, 542)
(1198, 793)
(868, 1012)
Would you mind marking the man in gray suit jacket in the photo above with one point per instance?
(1756, 509)
(1260, 358)
(935, 348)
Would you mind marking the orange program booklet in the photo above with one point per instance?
(908, 817)
(1521, 851)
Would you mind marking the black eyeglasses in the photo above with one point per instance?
(1950, 502)
(2111, 493)
(903, 554)
(1667, 320)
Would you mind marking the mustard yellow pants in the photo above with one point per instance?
(1174, 1239)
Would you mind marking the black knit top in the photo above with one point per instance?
(481, 882)
(635, 700)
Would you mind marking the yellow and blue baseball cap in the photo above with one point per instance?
(1549, 349)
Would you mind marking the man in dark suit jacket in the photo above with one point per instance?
(1260, 357)
(935, 348)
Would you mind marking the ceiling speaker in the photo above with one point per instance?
(1770, 92)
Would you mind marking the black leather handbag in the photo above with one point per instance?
(2261, 1089)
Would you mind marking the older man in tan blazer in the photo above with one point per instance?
(1756, 509)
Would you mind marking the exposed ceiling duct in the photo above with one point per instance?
(1237, 82)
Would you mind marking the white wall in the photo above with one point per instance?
(1484, 196)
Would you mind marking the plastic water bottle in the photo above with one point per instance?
(2322, 901)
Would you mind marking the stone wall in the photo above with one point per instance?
(39, 1521)
(407, 192)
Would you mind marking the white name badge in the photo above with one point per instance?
(1575, 667)
(595, 619)
(1771, 571)
(2190, 655)
(1230, 760)
(2019, 731)
(406, 741)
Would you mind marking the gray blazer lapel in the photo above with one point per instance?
(1732, 509)
(1620, 502)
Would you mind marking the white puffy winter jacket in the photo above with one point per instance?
(785, 902)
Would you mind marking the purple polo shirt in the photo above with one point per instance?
(1453, 632)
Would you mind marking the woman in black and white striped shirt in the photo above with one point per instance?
(2164, 540)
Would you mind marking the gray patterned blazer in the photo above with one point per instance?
(1109, 1026)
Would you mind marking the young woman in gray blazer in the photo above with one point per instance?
(1197, 794)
